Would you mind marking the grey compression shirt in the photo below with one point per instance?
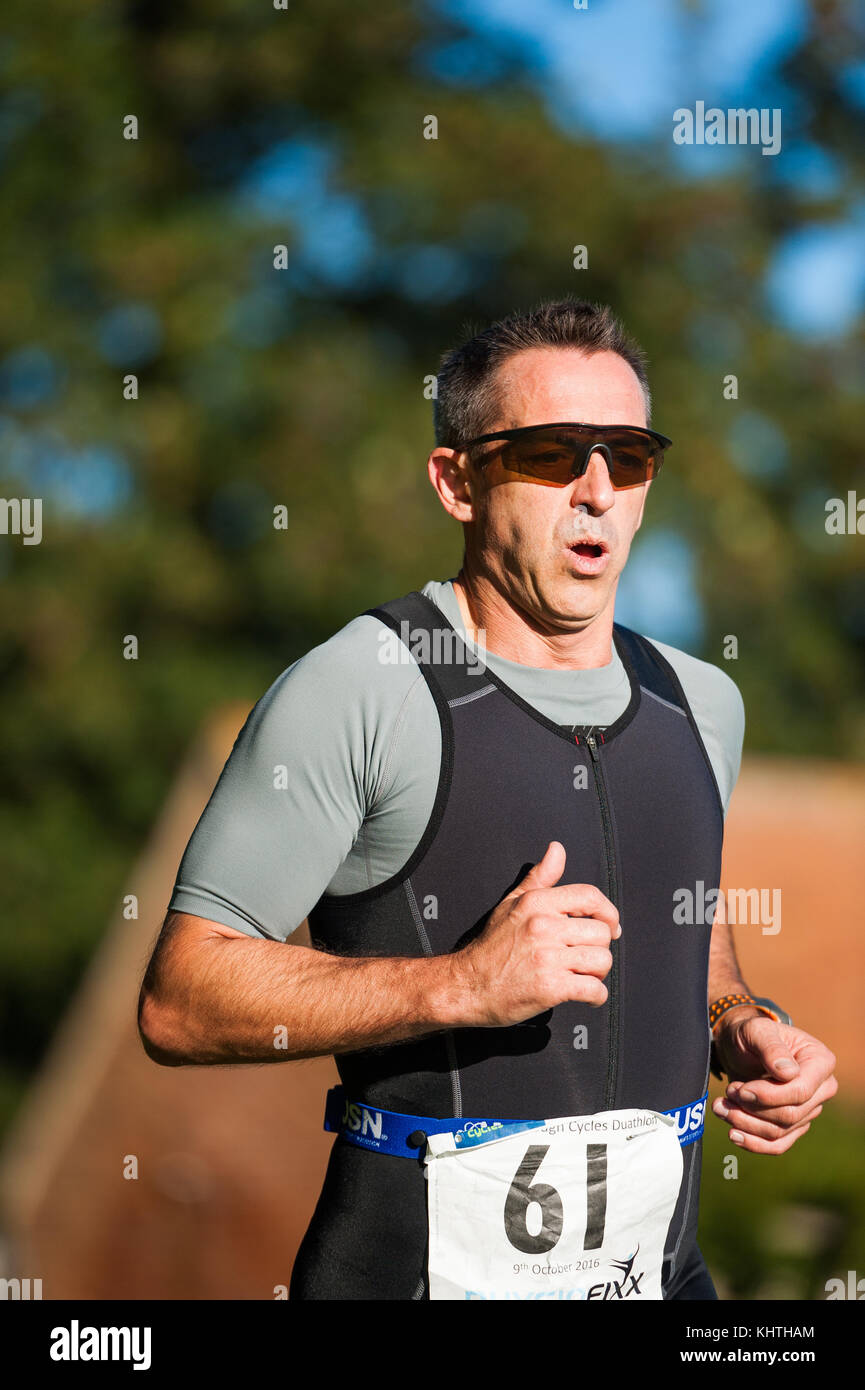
(332, 780)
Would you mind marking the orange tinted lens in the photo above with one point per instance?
(547, 456)
(552, 456)
(636, 458)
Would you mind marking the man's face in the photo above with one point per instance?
(525, 536)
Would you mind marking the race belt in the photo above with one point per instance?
(405, 1136)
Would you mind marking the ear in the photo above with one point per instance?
(449, 474)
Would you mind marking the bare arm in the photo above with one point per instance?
(725, 975)
(212, 994)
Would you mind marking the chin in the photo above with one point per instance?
(579, 604)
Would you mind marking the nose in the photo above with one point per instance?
(593, 486)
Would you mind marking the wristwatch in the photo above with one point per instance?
(734, 1001)
(774, 1010)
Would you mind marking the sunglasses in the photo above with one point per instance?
(555, 454)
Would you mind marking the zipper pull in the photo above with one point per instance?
(592, 746)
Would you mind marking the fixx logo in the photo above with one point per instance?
(626, 1287)
(733, 127)
(358, 1120)
(757, 906)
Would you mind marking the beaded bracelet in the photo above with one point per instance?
(733, 1001)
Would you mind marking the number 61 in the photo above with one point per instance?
(524, 1190)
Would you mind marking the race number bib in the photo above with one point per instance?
(574, 1208)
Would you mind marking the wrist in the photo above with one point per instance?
(448, 991)
(724, 1033)
(734, 1016)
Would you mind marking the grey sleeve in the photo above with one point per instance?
(292, 797)
(719, 711)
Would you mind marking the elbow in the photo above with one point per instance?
(154, 1032)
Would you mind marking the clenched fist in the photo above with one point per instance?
(542, 945)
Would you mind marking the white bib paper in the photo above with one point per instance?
(577, 1208)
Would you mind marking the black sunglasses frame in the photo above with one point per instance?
(660, 439)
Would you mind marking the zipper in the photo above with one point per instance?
(606, 820)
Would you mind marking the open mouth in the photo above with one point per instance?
(588, 549)
(590, 558)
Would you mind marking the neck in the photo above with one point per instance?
(493, 621)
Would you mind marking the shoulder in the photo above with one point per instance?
(340, 709)
(709, 686)
(350, 670)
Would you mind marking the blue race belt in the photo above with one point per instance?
(404, 1136)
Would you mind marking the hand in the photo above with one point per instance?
(540, 946)
(779, 1078)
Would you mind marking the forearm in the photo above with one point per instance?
(233, 999)
(725, 974)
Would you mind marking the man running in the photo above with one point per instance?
(487, 799)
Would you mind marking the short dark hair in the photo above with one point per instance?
(467, 401)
